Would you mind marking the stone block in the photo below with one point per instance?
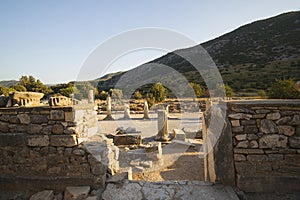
(39, 119)
(238, 129)
(294, 142)
(76, 193)
(275, 157)
(240, 116)
(241, 137)
(286, 130)
(24, 118)
(252, 136)
(248, 122)
(69, 116)
(259, 116)
(262, 111)
(38, 140)
(127, 139)
(283, 120)
(295, 120)
(34, 128)
(4, 127)
(273, 141)
(179, 134)
(273, 116)
(253, 144)
(239, 157)
(235, 122)
(245, 168)
(43, 195)
(63, 140)
(257, 158)
(268, 126)
(248, 151)
(99, 169)
(24, 99)
(243, 144)
(57, 129)
(57, 115)
(13, 139)
(250, 129)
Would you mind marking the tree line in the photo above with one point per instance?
(280, 89)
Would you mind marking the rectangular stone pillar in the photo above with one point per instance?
(162, 124)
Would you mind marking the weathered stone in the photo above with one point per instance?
(4, 127)
(34, 128)
(54, 170)
(39, 119)
(60, 101)
(294, 142)
(253, 144)
(57, 129)
(57, 115)
(12, 139)
(235, 122)
(76, 193)
(275, 157)
(127, 139)
(287, 112)
(248, 151)
(283, 120)
(162, 124)
(78, 152)
(146, 110)
(250, 129)
(273, 116)
(179, 134)
(240, 116)
(24, 99)
(252, 137)
(43, 195)
(243, 144)
(297, 132)
(38, 140)
(127, 112)
(99, 169)
(258, 116)
(239, 157)
(286, 130)
(63, 140)
(287, 151)
(69, 116)
(268, 126)
(257, 158)
(248, 122)
(273, 141)
(238, 129)
(262, 111)
(24, 118)
(241, 137)
(295, 120)
(47, 130)
(14, 120)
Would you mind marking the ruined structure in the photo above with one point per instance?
(24, 99)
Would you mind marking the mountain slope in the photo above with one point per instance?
(249, 58)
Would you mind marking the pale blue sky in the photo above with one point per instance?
(51, 39)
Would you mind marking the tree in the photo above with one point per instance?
(33, 85)
(229, 92)
(262, 93)
(116, 93)
(5, 90)
(65, 89)
(284, 89)
(224, 88)
(102, 95)
(137, 95)
(197, 89)
(19, 88)
(157, 93)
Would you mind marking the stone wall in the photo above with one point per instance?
(52, 147)
(266, 144)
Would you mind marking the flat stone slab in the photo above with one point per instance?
(76, 193)
(168, 190)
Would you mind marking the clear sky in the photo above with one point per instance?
(51, 39)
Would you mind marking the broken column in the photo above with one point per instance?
(91, 96)
(146, 110)
(162, 124)
(108, 109)
(127, 111)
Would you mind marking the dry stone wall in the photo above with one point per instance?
(266, 144)
(52, 147)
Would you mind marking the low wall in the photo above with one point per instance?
(265, 144)
(51, 147)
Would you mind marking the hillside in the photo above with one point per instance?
(249, 58)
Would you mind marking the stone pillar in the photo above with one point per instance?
(146, 110)
(91, 96)
(108, 109)
(127, 111)
(162, 124)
